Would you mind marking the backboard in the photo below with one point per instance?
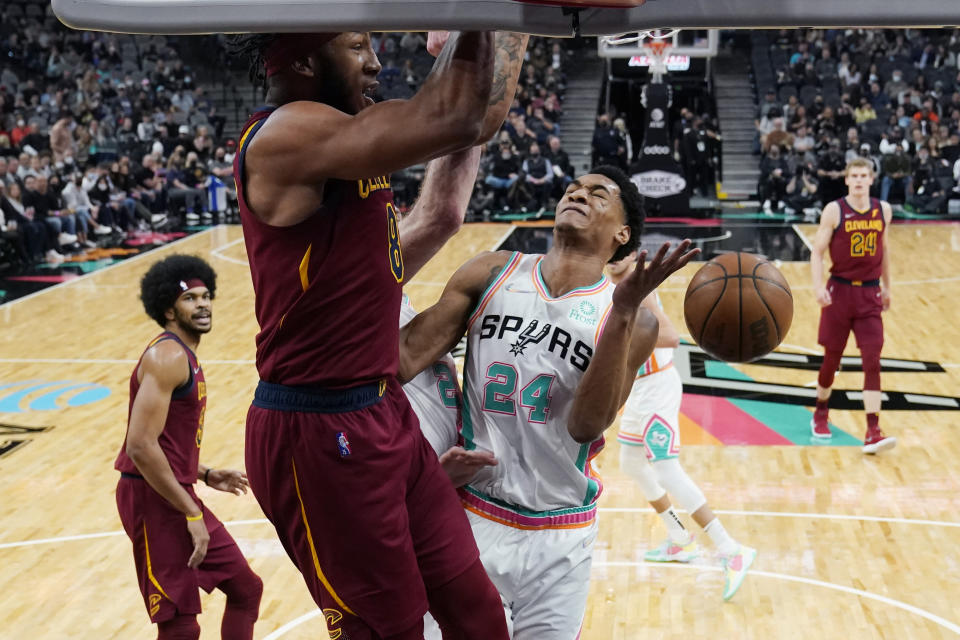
(226, 16)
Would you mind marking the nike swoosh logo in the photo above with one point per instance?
(196, 370)
(512, 289)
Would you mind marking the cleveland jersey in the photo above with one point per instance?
(856, 247)
(327, 289)
(526, 354)
(183, 431)
(435, 395)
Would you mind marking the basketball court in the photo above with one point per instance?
(850, 546)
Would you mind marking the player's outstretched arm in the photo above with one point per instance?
(438, 213)
(667, 336)
(829, 220)
(437, 330)
(164, 367)
(449, 181)
(306, 142)
(597, 401)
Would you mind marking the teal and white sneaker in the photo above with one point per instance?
(735, 567)
(669, 551)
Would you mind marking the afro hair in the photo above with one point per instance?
(160, 286)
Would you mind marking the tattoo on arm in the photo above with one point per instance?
(509, 54)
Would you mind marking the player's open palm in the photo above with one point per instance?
(462, 465)
(646, 277)
(201, 538)
(229, 481)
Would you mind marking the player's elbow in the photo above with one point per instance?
(586, 430)
(136, 450)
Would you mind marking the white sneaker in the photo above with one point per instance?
(66, 238)
(766, 207)
(102, 230)
(158, 218)
(192, 218)
(90, 244)
(53, 257)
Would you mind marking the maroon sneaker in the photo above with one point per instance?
(875, 441)
(820, 427)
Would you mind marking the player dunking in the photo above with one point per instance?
(179, 546)
(854, 229)
(650, 453)
(551, 352)
(334, 452)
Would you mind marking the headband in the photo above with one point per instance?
(289, 47)
(191, 284)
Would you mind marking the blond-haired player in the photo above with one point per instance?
(854, 230)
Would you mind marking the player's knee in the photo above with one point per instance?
(179, 628)
(684, 493)
(244, 592)
(473, 585)
(828, 370)
(633, 462)
(870, 355)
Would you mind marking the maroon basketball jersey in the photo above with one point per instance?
(327, 289)
(183, 430)
(856, 248)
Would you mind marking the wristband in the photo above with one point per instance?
(194, 518)
(206, 476)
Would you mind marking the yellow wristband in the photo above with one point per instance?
(194, 518)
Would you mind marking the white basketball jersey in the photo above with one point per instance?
(526, 354)
(434, 395)
(661, 358)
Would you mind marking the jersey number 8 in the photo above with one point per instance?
(393, 243)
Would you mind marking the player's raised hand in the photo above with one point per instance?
(229, 481)
(461, 465)
(201, 538)
(646, 277)
(435, 42)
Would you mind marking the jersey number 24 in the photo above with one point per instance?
(501, 386)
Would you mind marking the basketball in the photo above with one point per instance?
(738, 307)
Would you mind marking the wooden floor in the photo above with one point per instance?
(850, 546)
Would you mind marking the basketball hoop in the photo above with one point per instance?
(649, 34)
(654, 42)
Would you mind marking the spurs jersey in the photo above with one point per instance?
(435, 395)
(526, 353)
(661, 358)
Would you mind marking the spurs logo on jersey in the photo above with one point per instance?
(526, 354)
(505, 328)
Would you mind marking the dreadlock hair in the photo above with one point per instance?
(160, 286)
(251, 46)
(632, 203)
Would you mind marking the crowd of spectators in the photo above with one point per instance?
(827, 96)
(105, 136)
(101, 136)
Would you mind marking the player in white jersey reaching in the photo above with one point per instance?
(650, 448)
(552, 349)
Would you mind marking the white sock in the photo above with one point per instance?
(725, 544)
(675, 529)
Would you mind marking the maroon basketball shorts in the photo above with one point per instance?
(854, 308)
(162, 546)
(358, 500)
